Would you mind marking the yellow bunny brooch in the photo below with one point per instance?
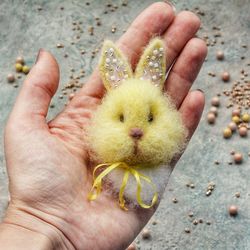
(136, 131)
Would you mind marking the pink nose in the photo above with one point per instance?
(136, 133)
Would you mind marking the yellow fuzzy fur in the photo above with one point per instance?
(135, 99)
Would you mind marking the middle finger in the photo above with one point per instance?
(183, 28)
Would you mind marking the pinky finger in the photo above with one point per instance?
(191, 110)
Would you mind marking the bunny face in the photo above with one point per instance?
(136, 124)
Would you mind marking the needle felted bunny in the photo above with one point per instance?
(136, 131)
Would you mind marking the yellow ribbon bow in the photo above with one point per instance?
(97, 185)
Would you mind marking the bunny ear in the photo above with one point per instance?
(114, 67)
(152, 65)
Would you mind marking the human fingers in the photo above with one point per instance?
(183, 28)
(185, 70)
(32, 103)
(191, 110)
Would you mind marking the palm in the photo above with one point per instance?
(48, 170)
(61, 180)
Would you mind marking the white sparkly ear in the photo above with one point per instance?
(114, 67)
(152, 65)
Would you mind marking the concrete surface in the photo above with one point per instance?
(25, 29)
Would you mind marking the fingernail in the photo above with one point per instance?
(38, 55)
(200, 90)
(171, 5)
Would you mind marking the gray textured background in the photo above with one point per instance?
(24, 29)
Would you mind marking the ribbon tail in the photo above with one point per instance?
(98, 181)
(139, 187)
(122, 189)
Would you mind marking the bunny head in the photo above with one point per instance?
(136, 123)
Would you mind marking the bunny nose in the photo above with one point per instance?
(136, 133)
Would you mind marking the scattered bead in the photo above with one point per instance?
(124, 3)
(227, 133)
(237, 194)
(243, 131)
(26, 69)
(146, 234)
(187, 230)
(210, 188)
(91, 30)
(220, 55)
(236, 112)
(19, 67)
(245, 118)
(60, 45)
(20, 60)
(154, 222)
(236, 119)
(208, 193)
(213, 110)
(233, 210)
(211, 118)
(175, 200)
(238, 158)
(195, 222)
(215, 101)
(113, 29)
(232, 126)
(11, 78)
(225, 76)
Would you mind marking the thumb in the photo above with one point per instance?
(33, 101)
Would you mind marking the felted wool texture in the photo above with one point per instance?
(135, 100)
(162, 138)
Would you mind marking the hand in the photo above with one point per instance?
(48, 162)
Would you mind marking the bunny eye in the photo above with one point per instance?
(150, 117)
(121, 118)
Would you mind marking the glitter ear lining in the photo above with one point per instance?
(152, 65)
(114, 67)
